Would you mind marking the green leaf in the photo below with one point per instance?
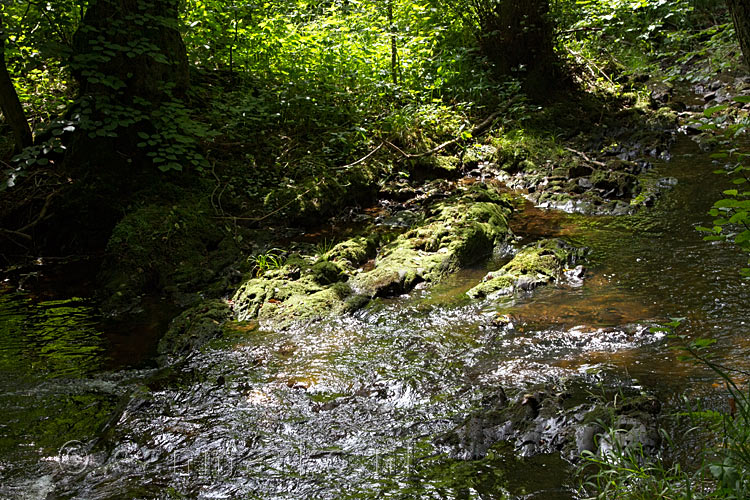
(708, 112)
(743, 237)
(742, 98)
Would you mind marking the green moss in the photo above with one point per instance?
(353, 252)
(535, 265)
(159, 246)
(459, 231)
(325, 272)
(194, 327)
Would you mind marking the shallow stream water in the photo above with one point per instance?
(354, 407)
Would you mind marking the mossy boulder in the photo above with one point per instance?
(535, 265)
(161, 246)
(353, 252)
(325, 272)
(459, 232)
(194, 327)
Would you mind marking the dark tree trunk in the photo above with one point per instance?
(134, 41)
(130, 63)
(9, 102)
(740, 10)
(517, 37)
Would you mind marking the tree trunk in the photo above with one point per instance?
(740, 10)
(394, 47)
(9, 102)
(517, 37)
(133, 43)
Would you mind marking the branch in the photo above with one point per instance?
(590, 64)
(475, 132)
(583, 155)
(363, 159)
(42, 213)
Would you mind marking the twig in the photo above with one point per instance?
(42, 213)
(578, 30)
(282, 207)
(363, 159)
(590, 64)
(583, 155)
(475, 132)
(15, 233)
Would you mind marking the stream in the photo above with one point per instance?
(353, 407)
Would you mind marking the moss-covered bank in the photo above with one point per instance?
(457, 231)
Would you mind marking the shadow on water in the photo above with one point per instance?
(353, 407)
(63, 369)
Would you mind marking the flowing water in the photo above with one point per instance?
(355, 407)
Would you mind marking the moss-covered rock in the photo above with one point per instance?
(458, 231)
(535, 265)
(194, 327)
(162, 246)
(353, 252)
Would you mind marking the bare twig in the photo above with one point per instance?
(42, 213)
(475, 132)
(282, 207)
(363, 159)
(583, 155)
(590, 64)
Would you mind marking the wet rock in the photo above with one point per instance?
(544, 421)
(533, 266)
(194, 327)
(575, 276)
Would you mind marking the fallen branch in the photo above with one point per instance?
(42, 214)
(282, 207)
(583, 155)
(475, 132)
(15, 233)
(590, 64)
(363, 159)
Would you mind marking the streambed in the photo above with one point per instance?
(355, 407)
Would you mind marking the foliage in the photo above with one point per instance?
(628, 472)
(262, 262)
(731, 467)
(732, 212)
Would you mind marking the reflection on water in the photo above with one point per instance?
(55, 385)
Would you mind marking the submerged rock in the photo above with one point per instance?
(195, 327)
(545, 420)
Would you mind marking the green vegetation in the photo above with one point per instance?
(191, 144)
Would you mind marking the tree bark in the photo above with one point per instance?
(518, 38)
(103, 45)
(740, 10)
(9, 102)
